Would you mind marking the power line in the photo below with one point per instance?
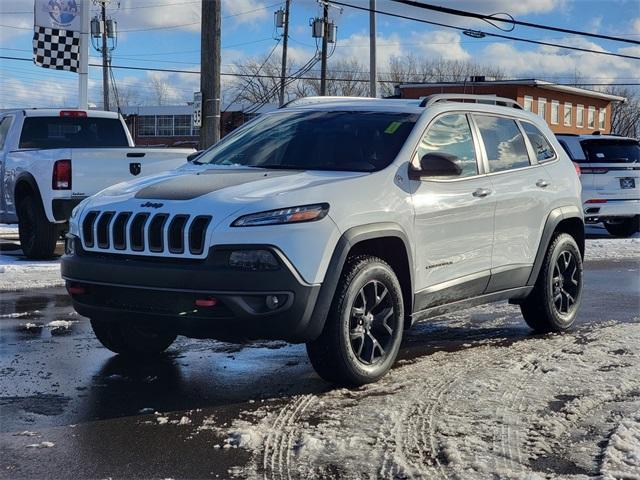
(233, 74)
(483, 33)
(494, 18)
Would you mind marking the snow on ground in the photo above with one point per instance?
(523, 410)
(19, 273)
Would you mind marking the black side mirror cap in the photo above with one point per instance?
(436, 164)
(194, 155)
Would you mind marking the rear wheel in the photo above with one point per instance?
(553, 304)
(624, 228)
(38, 236)
(363, 331)
(130, 339)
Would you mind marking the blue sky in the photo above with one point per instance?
(165, 34)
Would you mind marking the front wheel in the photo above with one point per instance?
(363, 330)
(624, 228)
(130, 339)
(553, 304)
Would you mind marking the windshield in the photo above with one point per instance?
(611, 151)
(72, 132)
(348, 140)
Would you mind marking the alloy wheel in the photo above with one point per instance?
(372, 323)
(565, 283)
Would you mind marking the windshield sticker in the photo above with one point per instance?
(600, 155)
(393, 127)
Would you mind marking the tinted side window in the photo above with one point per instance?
(451, 134)
(5, 123)
(542, 147)
(503, 143)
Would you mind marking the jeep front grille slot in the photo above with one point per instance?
(102, 230)
(120, 230)
(145, 233)
(156, 232)
(197, 234)
(176, 233)
(137, 231)
(87, 228)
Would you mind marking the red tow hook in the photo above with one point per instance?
(206, 302)
(76, 290)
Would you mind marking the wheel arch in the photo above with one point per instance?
(25, 184)
(561, 220)
(386, 240)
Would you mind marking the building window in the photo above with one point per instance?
(542, 107)
(528, 103)
(568, 111)
(555, 107)
(147, 126)
(591, 117)
(165, 125)
(182, 125)
(580, 116)
(601, 118)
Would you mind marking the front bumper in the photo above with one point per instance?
(164, 292)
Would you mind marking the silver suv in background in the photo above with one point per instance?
(338, 222)
(610, 176)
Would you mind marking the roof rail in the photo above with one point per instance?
(462, 97)
(297, 102)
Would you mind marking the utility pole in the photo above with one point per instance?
(285, 43)
(325, 41)
(210, 72)
(372, 50)
(105, 57)
(85, 41)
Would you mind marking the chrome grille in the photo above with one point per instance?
(145, 233)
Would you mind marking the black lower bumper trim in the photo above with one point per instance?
(62, 207)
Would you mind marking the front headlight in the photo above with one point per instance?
(304, 213)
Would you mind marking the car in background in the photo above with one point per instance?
(610, 176)
(52, 159)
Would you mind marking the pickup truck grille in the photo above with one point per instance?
(145, 233)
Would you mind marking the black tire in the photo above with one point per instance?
(363, 330)
(130, 339)
(553, 304)
(38, 236)
(625, 228)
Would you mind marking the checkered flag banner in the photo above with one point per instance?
(56, 48)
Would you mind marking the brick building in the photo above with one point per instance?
(566, 109)
(172, 125)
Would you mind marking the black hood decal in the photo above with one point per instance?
(188, 187)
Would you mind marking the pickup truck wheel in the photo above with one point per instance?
(130, 339)
(553, 304)
(38, 236)
(625, 228)
(363, 330)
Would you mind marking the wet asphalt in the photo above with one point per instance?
(58, 385)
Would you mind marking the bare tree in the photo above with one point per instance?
(625, 116)
(257, 81)
(346, 78)
(159, 90)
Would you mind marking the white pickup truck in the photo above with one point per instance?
(50, 160)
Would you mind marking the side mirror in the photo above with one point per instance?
(194, 155)
(437, 164)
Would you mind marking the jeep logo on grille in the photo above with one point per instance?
(152, 205)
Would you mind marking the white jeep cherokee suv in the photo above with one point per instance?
(610, 176)
(339, 223)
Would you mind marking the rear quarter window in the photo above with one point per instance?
(72, 132)
(541, 146)
(503, 142)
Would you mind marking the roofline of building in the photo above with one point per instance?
(525, 82)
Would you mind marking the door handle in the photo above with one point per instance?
(481, 192)
(542, 183)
